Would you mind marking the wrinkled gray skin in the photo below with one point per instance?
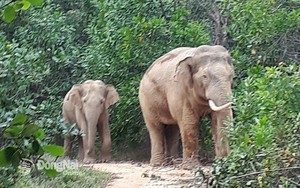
(181, 87)
(87, 105)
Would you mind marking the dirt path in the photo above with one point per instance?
(140, 175)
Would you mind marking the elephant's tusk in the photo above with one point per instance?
(216, 108)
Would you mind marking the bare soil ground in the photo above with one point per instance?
(142, 175)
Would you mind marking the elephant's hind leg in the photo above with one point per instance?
(172, 141)
(156, 132)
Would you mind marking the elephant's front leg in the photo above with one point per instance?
(83, 139)
(189, 135)
(104, 132)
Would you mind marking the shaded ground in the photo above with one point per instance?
(141, 175)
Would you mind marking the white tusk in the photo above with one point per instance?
(216, 108)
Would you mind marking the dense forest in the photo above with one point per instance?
(47, 48)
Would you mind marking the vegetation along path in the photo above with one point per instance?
(141, 175)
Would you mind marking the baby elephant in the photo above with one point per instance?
(87, 105)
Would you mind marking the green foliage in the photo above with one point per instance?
(262, 32)
(24, 143)
(8, 176)
(12, 7)
(54, 150)
(39, 62)
(68, 178)
(265, 137)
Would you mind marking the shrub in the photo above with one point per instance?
(265, 137)
(266, 31)
(68, 178)
(24, 143)
(39, 62)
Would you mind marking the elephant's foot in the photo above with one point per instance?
(103, 161)
(80, 158)
(104, 158)
(156, 161)
(190, 163)
(89, 160)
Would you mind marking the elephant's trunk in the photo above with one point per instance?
(216, 108)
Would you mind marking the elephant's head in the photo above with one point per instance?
(97, 94)
(91, 95)
(208, 71)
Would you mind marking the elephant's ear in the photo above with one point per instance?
(112, 96)
(74, 96)
(183, 69)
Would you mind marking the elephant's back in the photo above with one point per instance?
(163, 67)
(155, 82)
(161, 73)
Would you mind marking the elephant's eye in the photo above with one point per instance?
(204, 76)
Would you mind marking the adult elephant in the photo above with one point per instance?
(181, 87)
(87, 105)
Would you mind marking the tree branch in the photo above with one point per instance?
(7, 3)
(163, 9)
(175, 5)
(218, 27)
(298, 185)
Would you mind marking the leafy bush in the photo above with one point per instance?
(39, 62)
(8, 176)
(24, 144)
(266, 31)
(78, 178)
(265, 137)
(11, 8)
